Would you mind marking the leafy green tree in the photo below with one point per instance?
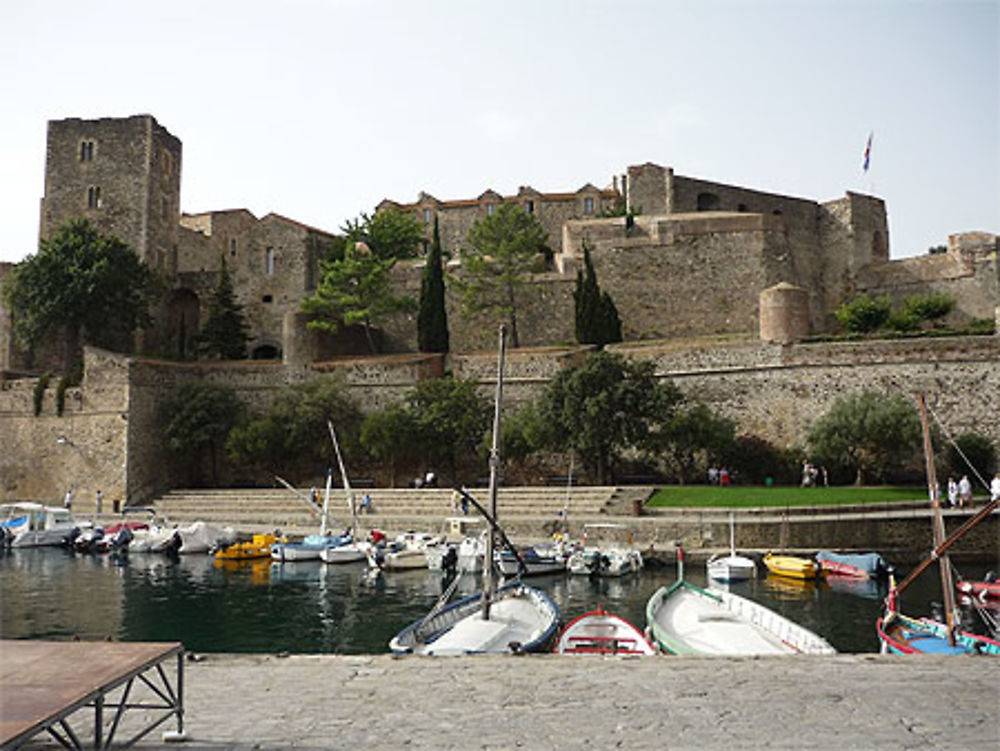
(863, 314)
(355, 289)
(505, 248)
(390, 435)
(605, 407)
(450, 418)
(81, 285)
(755, 459)
(432, 317)
(224, 334)
(694, 437)
(292, 433)
(389, 234)
(869, 433)
(971, 451)
(198, 417)
(595, 315)
(929, 307)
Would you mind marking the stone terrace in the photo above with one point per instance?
(395, 510)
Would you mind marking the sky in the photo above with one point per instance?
(319, 109)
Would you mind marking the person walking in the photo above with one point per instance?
(995, 487)
(952, 492)
(99, 500)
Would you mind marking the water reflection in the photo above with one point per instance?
(308, 606)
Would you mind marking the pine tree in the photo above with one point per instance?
(224, 334)
(432, 318)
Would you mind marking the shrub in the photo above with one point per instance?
(928, 307)
(902, 321)
(39, 396)
(863, 314)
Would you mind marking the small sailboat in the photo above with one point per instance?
(901, 634)
(510, 618)
(310, 546)
(685, 619)
(604, 633)
(732, 567)
(351, 550)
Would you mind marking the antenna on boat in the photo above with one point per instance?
(947, 586)
(489, 582)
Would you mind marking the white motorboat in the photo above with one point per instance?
(685, 619)
(732, 567)
(407, 552)
(607, 561)
(601, 632)
(511, 618)
(462, 540)
(537, 560)
(27, 524)
(350, 552)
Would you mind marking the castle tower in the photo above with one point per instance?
(124, 175)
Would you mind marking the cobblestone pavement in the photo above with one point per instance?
(550, 702)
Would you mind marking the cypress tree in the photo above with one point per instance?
(224, 334)
(432, 318)
(596, 317)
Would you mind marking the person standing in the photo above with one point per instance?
(952, 492)
(68, 500)
(995, 487)
(99, 500)
(964, 491)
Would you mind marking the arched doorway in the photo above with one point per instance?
(265, 352)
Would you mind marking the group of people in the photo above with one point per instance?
(811, 475)
(98, 500)
(718, 476)
(960, 493)
(428, 480)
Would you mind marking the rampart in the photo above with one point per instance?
(110, 434)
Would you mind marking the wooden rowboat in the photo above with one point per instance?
(601, 632)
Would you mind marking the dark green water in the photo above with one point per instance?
(312, 607)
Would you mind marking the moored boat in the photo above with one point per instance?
(687, 619)
(258, 547)
(536, 561)
(26, 525)
(855, 566)
(984, 591)
(732, 567)
(601, 632)
(792, 566)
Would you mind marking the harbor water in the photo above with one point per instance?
(311, 607)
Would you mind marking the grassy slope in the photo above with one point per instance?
(739, 495)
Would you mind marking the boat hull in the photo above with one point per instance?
(686, 619)
(600, 632)
(902, 635)
(522, 619)
(792, 566)
(731, 568)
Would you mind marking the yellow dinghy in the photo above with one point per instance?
(259, 547)
(793, 566)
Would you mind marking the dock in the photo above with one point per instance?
(555, 702)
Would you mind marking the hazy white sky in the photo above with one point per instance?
(318, 109)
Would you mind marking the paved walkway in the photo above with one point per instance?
(549, 702)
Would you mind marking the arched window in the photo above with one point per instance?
(708, 202)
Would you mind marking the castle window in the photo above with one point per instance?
(708, 202)
(86, 151)
(741, 207)
(529, 207)
(232, 247)
(776, 212)
(93, 197)
(427, 216)
(588, 205)
(267, 298)
(490, 208)
(269, 261)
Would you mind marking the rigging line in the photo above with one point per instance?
(958, 448)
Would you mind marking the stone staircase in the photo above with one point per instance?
(394, 509)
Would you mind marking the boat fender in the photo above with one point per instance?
(515, 647)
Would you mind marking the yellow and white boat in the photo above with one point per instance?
(259, 547)
(793, 566)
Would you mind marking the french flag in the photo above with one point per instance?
(868, 152)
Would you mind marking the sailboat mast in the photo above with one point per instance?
(947, 587)
(326, 502)
(347, 483)
(489, 585)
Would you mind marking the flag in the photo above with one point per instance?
(868, 153)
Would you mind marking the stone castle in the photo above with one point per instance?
(708, 279)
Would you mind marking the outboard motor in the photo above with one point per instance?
(174, 545)
(121, 540)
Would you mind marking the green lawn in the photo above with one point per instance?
(755, 495)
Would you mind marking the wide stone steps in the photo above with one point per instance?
(394, 509)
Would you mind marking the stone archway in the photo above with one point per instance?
(265, 352)
(183, 322)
